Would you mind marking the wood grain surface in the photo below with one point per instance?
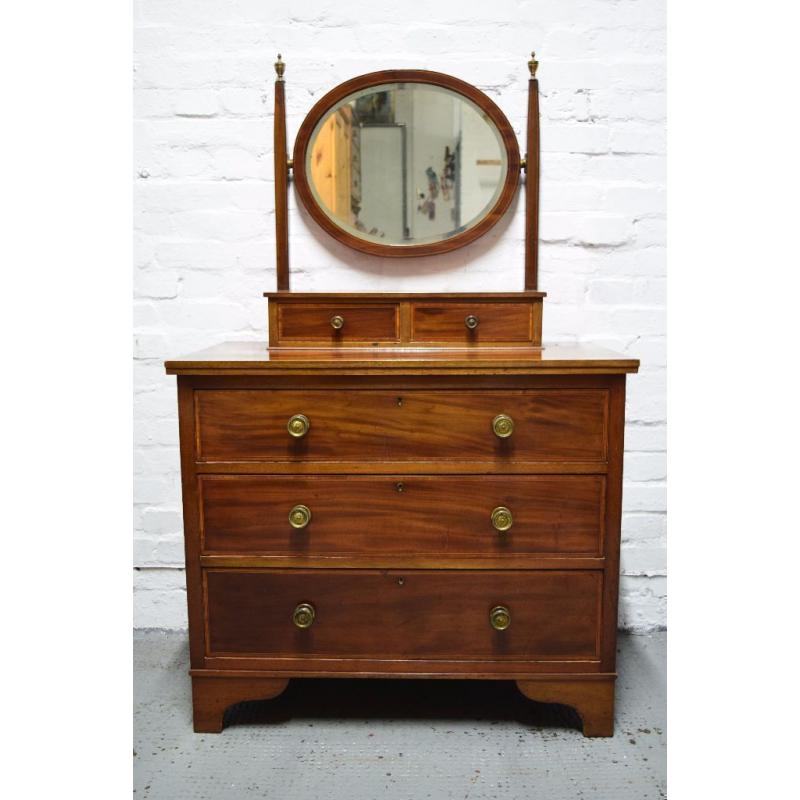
(405, 614)
(402, 515)
(311, 322)
(497, 322)
(255, 358)
(557, 424)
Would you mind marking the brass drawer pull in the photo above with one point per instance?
(471, 321)
(298, 426)
(500, 618)
(299, 517)
(503, 426)
(337, 322)
(502, 519)
(303, 615)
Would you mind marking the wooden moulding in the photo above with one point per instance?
(592, 696)
(255, 365)
(504, 319)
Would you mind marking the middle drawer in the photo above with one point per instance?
(421, 514)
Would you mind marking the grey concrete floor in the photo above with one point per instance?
(396, 740)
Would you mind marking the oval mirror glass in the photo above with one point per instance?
(408, 165)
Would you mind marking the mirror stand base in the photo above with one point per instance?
(409, 320)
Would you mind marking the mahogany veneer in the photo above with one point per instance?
(311, 322)
(553, 424)
(372, 320)
(401, 470)
(405, 615)
(438, 515)
(403, 485)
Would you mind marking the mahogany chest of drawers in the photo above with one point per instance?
(402, 513)
(403, 485)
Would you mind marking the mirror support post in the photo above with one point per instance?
(281, 180)
(532, 182)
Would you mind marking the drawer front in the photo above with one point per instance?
(405, 614)
(301, 322)
(383, 515)
(549, 425)
(472, 322)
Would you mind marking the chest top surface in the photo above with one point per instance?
(255, 358)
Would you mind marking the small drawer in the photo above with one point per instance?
(472, 323)
(334, 323)
(369, 515)
(378, 425)
(498, 615)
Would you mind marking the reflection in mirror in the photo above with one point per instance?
(406, 164)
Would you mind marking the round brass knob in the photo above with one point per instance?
(337, 322)
(500, 618)
(299, 517)
(503, 426)
(502, 519)
(298, 426)
(303, 615)
(471, 321)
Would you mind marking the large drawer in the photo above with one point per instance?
(405, 614)
(382, 515)
(548, 424)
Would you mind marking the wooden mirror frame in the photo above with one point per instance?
(329, 101)
(530, 164)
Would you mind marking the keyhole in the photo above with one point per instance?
(401, 581)
(401, 487)
(399, 401)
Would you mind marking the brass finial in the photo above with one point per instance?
(279, 67)
(533, 64)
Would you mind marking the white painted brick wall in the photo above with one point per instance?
(204, 225)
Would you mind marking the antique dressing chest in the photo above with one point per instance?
(403, 485)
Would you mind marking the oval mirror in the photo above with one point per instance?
(406, 163)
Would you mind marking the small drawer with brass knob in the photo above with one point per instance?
(299, 322)
(298, 425)
(299, 517)
(303, 615)
(475, 322)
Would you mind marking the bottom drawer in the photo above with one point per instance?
(404, 614)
